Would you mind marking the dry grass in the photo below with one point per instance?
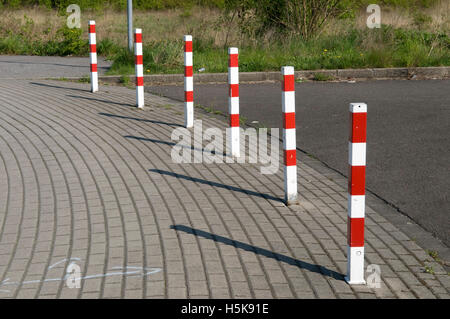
(45, 22)
(173, 24)
(160, 25)
(342, 44)
(397, 18)
(155, 25)
(404, 18)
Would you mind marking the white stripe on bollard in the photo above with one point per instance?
(289, 136)
(356, 194)
(139, 68)
(93, 56)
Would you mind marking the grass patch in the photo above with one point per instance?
(125, 80)
(323, 77)
(209, 109)
(85, 79)
(204, 108)
(385, 47)
(242, 120)
(409, 40)
(435, 255)
(312, 156)
(429, 270)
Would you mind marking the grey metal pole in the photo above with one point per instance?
(130, 24)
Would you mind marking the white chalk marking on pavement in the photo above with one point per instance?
(4, 281)
(137, 271)
(61, 261)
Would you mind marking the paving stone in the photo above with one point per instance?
(198, 288)
(27, 293)
(366, 296)
(133, 294)
(241, 290)
(220, 293)
(263, 294)
(92, 285)
(423, 292)
(211, 230)
(282, 291)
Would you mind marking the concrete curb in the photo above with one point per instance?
(338, 74)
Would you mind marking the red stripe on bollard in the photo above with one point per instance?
(290, 157)
(289, 120)
(189, 96)
(188, 46)
(234, 90)
(139, 59)
(234, 120)
(139, 81)
(355, 231)
(138, 37)
(188, 71)
(233, 61)
(357, 180)
(289, 83)
(358, 128)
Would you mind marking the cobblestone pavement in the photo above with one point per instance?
(33, 67)
(88, 179)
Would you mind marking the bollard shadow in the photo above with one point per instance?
(145, 139)
(50, 63)
(138, 119)
(59, 87)
(219, 185)
(99, 100)
(261, 251)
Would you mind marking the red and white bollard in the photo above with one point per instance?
(356, 194)
(93, 56)
(139, 68)
(289, 136)
(188, 82)
(233, 100)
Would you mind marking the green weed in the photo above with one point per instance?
(323, 77)
(429, 270)
(85, 79)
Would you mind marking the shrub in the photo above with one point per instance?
(289, 17)
(108, 47)
(422, 20)
(72, 42)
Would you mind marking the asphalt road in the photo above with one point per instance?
(408, 145)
